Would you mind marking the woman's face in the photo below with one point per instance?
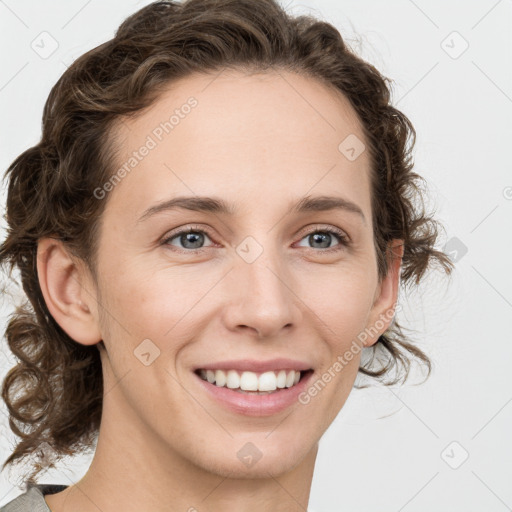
(259, 282)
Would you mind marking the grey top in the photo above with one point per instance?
(32, 500)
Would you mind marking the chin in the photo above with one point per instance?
(246, 459)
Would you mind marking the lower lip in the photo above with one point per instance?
(256, 405)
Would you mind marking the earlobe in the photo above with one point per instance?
(382, 311)
(67, 291)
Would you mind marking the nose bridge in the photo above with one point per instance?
(261, 289)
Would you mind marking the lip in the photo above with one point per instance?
(251, 365)
(255, 405)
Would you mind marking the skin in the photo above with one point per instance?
(271, 136)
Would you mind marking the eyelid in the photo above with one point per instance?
(186, 229)
(312, 228)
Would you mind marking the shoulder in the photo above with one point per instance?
(32, 500)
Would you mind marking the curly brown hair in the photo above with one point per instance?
(54, 392)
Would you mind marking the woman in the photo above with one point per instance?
(211, 232)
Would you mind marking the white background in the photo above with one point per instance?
(385, 450)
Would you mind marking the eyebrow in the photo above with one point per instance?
(215, 205)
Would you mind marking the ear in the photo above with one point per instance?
(68, 291)
(382, 311)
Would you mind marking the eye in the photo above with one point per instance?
(323, 237)
(190, 239)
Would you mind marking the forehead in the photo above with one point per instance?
(238, 135)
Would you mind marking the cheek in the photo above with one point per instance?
(342, 302)
(341, 305)
(163, 304)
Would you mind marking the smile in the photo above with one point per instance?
(252, 382)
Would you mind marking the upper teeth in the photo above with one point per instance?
(250, 381)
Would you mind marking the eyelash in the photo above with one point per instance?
(343, 239)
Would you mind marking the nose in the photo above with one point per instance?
(261, 298)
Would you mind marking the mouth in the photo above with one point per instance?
(252, 387)
(253, 383)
